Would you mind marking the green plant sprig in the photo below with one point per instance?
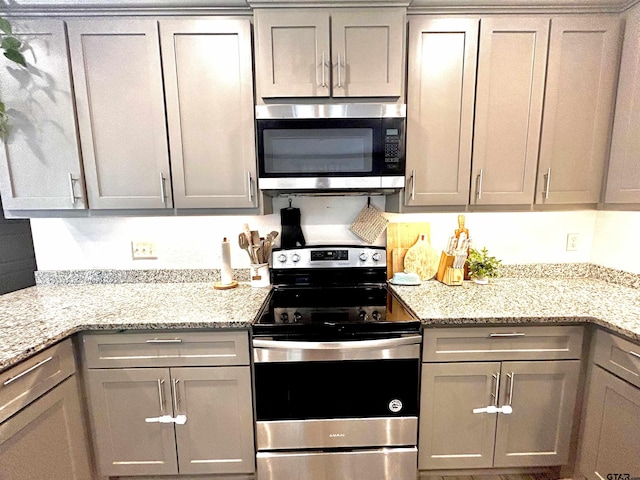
(11, 46)
(482, 265)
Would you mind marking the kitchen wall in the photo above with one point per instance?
(193, 241)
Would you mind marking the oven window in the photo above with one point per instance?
(318, 150)
(346, 389)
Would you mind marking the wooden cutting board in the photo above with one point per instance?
(422, 259)
(400, 237)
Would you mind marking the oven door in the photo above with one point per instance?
(349, 394)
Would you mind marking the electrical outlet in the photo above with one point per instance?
(143, 250)
(572, 242)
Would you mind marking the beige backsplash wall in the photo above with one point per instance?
(194, 241)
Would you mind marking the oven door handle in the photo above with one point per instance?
(350, 345)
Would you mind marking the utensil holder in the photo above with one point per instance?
(446, 273)
(260, 275)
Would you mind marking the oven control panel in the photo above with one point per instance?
(329, 257)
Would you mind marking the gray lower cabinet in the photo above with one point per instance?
(168, 403)
(611, 426)
(534, 370)
(47, 439)
(42, 422)
(537, 432)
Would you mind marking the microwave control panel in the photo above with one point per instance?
(393, 151)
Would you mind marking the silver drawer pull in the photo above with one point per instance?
(165, 340)
(634, 354)
(28, 370)
(506, 335)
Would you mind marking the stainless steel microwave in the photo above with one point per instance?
(345, 147)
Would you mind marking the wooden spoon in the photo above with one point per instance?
(243, 241)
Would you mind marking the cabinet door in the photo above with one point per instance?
(581, 75)
(451, 435)
(218, 434)
(611, 436)
(367, 52)
(120, 401)
(293, 57)
(510, 91)
(440, 97)
(40, 160)
(543, 396)
(47, 439)
(623, 181)
(120, 103)
(209, 90)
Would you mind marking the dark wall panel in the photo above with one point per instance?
(17, 258)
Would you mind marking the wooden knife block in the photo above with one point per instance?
(446, 273)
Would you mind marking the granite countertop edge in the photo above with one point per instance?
(38, 317)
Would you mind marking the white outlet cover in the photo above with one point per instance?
(572, 242)
(143, 250)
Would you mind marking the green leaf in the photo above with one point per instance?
(2, 107)
(15, 56)
(5, 26)
(11, 43)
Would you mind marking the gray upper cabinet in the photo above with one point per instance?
(120, 107)
(321, 53)
(623, 181)
(209, 92)
(40, 164)
(509, 96)
(581, 81)
(440, 101)
(292, 53)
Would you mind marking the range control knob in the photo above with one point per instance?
(282, 258)
(376, 257)
(376, 315)
(297, 317)
(284, 317)
(295, 258)
(364, 256)
(363, 316)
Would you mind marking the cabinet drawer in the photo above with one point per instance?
(501, 343)
(617, 355)
(165, 349)
(25, 382)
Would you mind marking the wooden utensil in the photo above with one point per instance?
(243, 241)
(422, 259)
(403, 235)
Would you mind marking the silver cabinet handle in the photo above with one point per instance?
(175, 394)
(506, 335)
(74, 197)
(547, 183)
(479, 188)
(27, 371)
(511, 380)
(163, 192)
(250, 186)
(413, 184)
(496, 387)
(339, 73)
(324, 82)
(634, 354)
(161, 395)
(165, 340)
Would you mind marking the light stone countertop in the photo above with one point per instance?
(522, 301)
(37, 317)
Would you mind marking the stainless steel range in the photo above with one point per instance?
(336, 373)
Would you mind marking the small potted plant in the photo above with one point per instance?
(482, 266)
